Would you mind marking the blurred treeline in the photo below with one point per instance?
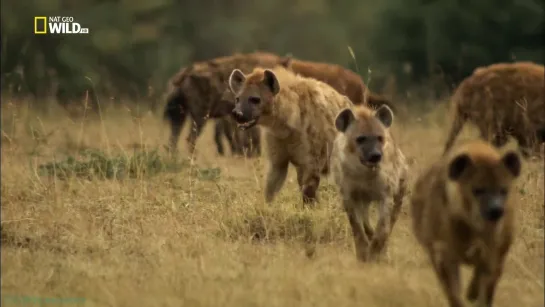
(134, 46)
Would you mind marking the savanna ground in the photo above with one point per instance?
(96, 210)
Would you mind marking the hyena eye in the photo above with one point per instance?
(254, 100)
(361, 139)
(503, 191)
(380, 139)
(478, 191)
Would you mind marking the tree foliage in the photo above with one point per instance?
(137, 44)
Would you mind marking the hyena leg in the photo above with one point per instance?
(474, 286)
(540, 135)
(175, 131)
(251, 142)
(389, 219)
(398, 203)
(219, 129)
(382, 230)
(256, 142)
(363, 211)
(231, 134)
(448, 273)
(196, 128)
(309, 180)
(361, 241)
(278, 170)
(492, 283)
(483, 284)
(246, 143)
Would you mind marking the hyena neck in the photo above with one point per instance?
(275, 126)
(284, 117)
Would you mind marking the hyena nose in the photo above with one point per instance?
(375, 157)
(237, 114)
(494, 213)
(494, 210)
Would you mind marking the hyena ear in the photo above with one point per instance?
(286, 61)
(385, 115)
(458, 165)
(271, 81)
(344, 119)
(512, 162)
(236, 79)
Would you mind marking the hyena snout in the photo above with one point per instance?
(371, 157)
(374, 157)
(245, 112)
(370, 149)
(239, 116)
(493, 208)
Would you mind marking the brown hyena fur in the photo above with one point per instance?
(298, 115)
(341, 79)
(502, 99)
(198, 90)
(368, 166)
(462, 209)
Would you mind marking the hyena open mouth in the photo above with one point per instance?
(247, 125)
(370, 165)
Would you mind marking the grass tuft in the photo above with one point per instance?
(100, 166)
(271, 225)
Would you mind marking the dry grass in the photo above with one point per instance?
(182, 233)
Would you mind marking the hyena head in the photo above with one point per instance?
(480, 180)
(253, 95)
(366, 133)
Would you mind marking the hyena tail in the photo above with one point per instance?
(457, 125)
(176, 108)
(459, 116)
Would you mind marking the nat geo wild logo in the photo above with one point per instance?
(57, 25)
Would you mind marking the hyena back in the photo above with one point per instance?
(502, 100)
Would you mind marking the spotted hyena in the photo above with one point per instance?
(298, 115)
(198, 91)
(501, 100)
(463, 210)
(368, 166)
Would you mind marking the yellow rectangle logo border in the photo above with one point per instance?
(36, 19)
